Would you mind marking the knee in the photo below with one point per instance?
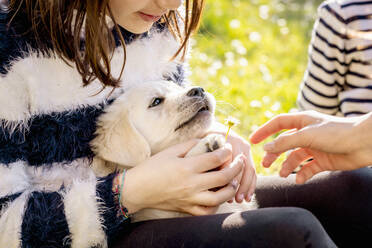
(299, 219)
(304, 228)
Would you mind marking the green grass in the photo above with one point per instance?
(251, 55)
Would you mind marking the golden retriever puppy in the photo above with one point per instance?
(148, 118)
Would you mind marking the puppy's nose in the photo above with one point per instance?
(196, 92)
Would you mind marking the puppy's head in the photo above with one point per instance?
(150, 117)
(165, 113)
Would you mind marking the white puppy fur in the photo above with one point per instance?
(148, 118)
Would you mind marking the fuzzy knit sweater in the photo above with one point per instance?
(49, 196)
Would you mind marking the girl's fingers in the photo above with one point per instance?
(269, 158)
(251, 190)
(213, 179)
(201, 210)
(211, 160)
(213, 199)
(294, 159)
(276, 124)
(285, 142)
(252, 182)
(246, 181)
(308, 171)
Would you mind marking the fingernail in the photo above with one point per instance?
(240, 197)
(265, 163)
(236, 162)
(234, 183)
(249, 197)
(241, 159)
(269, 146)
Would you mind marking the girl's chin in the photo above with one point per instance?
(137, 29)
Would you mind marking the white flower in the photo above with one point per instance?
(231, 121)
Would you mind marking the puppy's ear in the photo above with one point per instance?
(117, 140)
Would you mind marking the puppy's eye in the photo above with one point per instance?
(156, 101)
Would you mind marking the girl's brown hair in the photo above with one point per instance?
(62, 22)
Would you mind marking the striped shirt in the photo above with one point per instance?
(338, 79)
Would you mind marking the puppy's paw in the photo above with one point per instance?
(209, 143)
(213, 141)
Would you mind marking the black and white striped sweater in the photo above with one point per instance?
(49, 196)
(338, 79)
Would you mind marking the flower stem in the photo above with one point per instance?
(227, 133)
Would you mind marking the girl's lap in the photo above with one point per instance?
(341, 201)
(270, 227)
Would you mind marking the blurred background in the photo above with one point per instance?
(251, 55)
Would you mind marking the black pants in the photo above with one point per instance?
(341, 201)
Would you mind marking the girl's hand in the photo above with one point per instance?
(169, 181)
(333, 143)
(248, 176)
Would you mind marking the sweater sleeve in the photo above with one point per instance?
(325, 73)
(82, 214)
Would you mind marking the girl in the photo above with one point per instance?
(61, 63)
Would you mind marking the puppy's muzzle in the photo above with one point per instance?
(199, 93)
(196, 92)
(196, 104)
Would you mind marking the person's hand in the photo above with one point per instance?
(169, 181)
(248, 177)
(333, 143)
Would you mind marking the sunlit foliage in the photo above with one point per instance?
(251, 54)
